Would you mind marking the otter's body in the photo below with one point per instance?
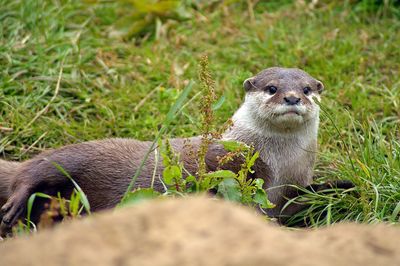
(103, 168)
(279, 117)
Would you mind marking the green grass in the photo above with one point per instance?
(111, 86)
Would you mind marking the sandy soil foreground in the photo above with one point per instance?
(200, 231)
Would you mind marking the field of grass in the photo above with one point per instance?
(68, 73)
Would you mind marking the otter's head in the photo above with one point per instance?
(282, 98)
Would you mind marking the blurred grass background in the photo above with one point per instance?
(120, 65)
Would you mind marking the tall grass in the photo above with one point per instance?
(371, 160)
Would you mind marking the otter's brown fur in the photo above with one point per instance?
(278, 117)
(102, 168)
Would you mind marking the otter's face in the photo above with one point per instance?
(283, 97)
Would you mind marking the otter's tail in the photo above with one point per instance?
(7, 170)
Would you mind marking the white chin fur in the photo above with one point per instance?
(288, 120)
(287, 109)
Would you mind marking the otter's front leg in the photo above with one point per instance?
(36, 175)
(14, 208)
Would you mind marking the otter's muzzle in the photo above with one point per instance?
(291, 100)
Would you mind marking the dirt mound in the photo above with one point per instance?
(199, 231)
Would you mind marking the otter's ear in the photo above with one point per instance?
(320, 86)
(248, 84)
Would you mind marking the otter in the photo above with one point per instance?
(279, 117)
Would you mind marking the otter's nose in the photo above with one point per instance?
(291, 100)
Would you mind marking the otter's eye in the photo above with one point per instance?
(271, 89)
(307, 90)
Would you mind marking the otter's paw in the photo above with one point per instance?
(336, 184)
(12, 211)
(343, 184)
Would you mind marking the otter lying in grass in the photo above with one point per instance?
(279, 117)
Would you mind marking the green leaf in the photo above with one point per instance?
(221, 174)
(219, 103)
(191, 178)
(30, 205)
(137, 27)
(252, 161)
(74, 203)
(395, 212)
(178, 104)
(261, 197)
(159, 7)
(171, 174)
(139, 195)
(208, 183)
(232, 145)
(258, 182)
(229, 189)
(195, 184)
(83, 198)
